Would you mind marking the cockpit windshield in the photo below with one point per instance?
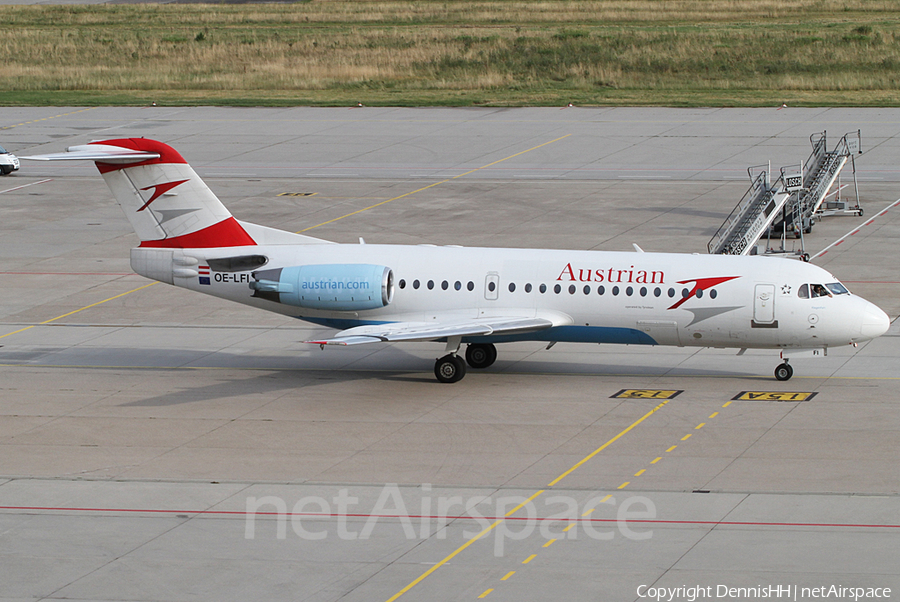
(807, 291)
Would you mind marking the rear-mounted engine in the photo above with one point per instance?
(337, 287)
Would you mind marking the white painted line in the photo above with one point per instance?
(855, 230)
(26, 185)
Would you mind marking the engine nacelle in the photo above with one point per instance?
(337, 287)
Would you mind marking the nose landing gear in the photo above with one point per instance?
(784, 371)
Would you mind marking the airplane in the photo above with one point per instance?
(479, 297)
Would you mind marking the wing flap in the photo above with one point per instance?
(351, 340)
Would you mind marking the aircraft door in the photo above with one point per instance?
(492, 286)
(764, 304)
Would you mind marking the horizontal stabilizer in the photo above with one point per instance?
(100, 153)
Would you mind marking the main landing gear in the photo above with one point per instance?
(481, 355)
(451, 368)
(784, 371)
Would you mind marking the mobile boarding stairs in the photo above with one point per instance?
(792, 203)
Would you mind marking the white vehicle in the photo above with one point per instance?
(8, 162)
(479, 297)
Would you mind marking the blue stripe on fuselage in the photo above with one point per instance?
(573, 334)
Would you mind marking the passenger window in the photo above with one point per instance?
(402, 283)
(430, 284)
(587, 290)
(629, 291)
(415, 284)
(615, 290)
(643, 291)
(557, 288)
(543, 288)
(571, 289)
(528, 288)
(445, 285)
(470, 286)
(713, 294)
(512, 287)
(601, 289)
(457, 285)
(803, 292)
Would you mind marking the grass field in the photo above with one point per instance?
(501, 53)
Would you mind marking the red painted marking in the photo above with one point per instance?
(460, 517)
(701, 284)
(227, 233)
(166, 153)
(159, 190)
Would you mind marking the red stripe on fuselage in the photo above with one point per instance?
(227, 233)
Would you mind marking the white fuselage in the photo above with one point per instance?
(591, 296)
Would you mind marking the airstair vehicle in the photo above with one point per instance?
(820, 173)
(793, 203)
(752, 216)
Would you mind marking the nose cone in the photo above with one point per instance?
(874, 322)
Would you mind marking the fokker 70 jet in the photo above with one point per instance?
(478, 297)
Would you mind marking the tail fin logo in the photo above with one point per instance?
(159, 190)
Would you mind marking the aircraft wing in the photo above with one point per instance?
(429, 331)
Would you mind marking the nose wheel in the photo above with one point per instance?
(449, 369)
(784, 372)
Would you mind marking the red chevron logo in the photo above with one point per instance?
(701, 284)
(159, 190)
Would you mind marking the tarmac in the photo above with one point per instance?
(156, 444)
